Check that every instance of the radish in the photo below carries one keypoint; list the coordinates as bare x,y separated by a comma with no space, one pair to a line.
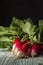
22,51
18,45
28,41
35,50
14,43
29,50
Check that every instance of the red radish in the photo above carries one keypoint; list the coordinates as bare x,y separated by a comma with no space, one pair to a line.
35,50
29,50
22,51
28,41
18,45
14,43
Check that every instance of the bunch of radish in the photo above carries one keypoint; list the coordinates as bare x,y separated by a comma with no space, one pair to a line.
22,49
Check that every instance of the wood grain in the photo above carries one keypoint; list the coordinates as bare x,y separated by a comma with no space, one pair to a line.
5,60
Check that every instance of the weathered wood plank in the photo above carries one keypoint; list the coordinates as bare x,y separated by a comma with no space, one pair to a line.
5,60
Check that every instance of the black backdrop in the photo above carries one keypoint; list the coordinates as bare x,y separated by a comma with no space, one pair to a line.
21,9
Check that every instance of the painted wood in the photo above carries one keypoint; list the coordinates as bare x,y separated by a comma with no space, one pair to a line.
5,60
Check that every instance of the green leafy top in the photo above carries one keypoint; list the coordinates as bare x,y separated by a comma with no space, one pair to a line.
19,28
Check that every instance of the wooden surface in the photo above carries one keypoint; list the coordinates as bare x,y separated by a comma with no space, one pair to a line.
5,60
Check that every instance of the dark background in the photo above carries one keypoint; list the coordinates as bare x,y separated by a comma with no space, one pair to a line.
21,9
